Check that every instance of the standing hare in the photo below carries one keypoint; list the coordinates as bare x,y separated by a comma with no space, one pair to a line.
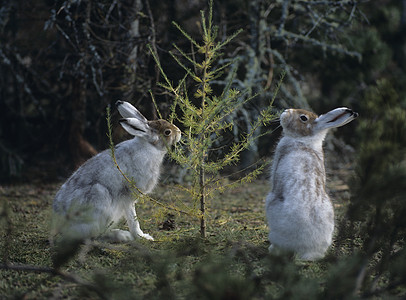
97,196
299,211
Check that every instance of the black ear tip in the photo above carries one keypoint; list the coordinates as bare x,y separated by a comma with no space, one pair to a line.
119,102
353,113
122,120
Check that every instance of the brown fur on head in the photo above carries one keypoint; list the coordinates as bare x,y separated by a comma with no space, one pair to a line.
298,122
170,132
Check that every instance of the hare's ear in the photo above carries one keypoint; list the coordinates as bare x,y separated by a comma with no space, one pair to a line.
335,118
135,127
129,111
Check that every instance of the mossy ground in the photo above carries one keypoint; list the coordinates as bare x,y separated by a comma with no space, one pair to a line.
232,262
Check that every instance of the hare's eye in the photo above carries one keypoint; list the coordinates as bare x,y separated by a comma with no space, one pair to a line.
167,132
303,118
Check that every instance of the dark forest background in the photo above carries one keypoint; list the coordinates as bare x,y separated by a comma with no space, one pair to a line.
63,62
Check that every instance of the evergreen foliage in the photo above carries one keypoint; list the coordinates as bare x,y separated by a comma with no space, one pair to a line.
378,204
205,118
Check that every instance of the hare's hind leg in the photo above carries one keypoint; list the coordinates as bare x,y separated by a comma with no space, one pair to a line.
311,256
118,236
134,225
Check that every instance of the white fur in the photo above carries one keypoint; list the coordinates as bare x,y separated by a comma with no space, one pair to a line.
96,197
299,212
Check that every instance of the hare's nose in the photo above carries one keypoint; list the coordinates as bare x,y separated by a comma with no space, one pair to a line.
286,112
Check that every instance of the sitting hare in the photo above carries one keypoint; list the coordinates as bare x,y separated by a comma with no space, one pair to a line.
299,211
97,196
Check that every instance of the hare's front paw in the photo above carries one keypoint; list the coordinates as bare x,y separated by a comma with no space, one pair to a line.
146,236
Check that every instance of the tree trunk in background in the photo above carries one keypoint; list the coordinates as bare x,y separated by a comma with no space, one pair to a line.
80,149
401,38
250,155
134,33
